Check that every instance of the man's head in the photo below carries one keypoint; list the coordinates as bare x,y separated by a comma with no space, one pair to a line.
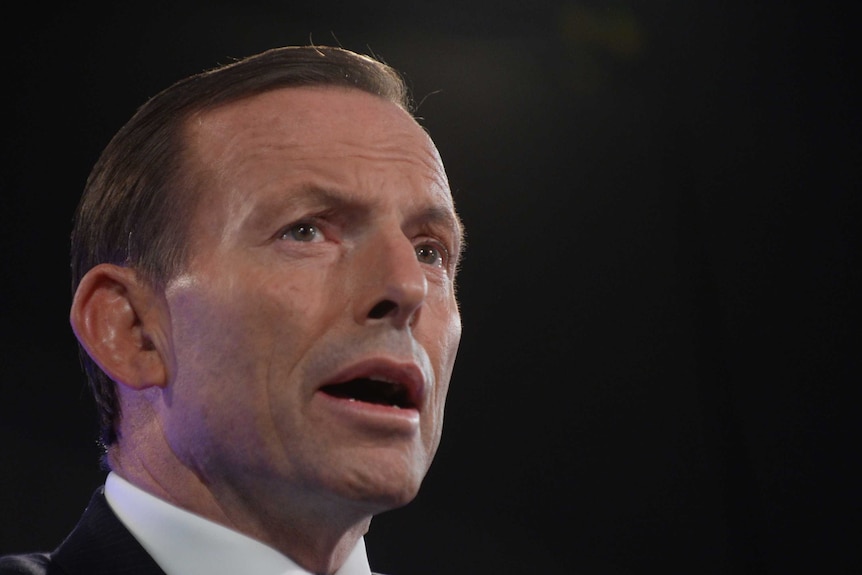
138,199
264,267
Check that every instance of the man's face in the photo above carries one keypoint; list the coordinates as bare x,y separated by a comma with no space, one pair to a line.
315,327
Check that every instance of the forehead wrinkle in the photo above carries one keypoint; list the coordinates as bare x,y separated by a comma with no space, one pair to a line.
375,145
304,155
371,163
432,168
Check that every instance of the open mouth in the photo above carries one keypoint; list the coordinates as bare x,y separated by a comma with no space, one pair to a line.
372,391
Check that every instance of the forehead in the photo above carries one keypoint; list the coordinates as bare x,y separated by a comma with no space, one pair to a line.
262,148
303,123
308,116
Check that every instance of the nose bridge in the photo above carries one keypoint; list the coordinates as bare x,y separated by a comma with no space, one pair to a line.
395,282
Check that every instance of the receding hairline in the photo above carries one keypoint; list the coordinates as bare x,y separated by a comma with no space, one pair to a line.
264,72
194,157
196,113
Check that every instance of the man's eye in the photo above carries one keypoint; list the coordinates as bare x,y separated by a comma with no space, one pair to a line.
301,232
431,255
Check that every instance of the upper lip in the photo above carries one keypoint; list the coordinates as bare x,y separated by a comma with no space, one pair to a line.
406,375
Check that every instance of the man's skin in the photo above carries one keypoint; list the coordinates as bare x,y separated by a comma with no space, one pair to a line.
324,249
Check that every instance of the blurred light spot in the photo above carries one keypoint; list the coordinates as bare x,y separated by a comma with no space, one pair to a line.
613,30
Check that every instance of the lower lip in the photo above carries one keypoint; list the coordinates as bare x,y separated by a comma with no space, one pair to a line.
371,416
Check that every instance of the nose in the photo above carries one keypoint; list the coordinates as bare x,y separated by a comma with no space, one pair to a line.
394,284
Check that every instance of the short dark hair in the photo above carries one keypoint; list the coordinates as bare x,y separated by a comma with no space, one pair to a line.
137,199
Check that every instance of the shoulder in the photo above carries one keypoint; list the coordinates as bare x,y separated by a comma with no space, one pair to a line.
25,564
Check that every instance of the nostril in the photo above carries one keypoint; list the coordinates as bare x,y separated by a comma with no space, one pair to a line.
382,309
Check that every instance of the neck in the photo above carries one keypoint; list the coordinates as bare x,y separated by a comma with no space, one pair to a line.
315,532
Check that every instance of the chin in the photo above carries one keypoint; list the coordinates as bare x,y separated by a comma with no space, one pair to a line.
384,489
388,501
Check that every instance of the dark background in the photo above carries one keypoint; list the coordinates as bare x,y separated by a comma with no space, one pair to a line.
662,203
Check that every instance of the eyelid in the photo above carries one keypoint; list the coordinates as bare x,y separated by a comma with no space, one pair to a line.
441,247
318,221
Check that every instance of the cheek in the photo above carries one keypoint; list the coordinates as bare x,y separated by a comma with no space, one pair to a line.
211,332
219,335
448,344
450,341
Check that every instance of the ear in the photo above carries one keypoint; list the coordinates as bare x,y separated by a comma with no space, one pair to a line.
119,320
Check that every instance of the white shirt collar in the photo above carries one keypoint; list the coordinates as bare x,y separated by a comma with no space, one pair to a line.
183,543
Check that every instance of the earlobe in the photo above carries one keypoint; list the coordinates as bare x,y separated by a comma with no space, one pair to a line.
116,318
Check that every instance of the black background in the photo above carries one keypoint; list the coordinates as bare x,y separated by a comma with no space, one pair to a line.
662,204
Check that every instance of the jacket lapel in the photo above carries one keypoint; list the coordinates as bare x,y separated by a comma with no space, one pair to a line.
101,545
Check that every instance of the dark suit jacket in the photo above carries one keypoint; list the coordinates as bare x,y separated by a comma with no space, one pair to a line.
98,545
